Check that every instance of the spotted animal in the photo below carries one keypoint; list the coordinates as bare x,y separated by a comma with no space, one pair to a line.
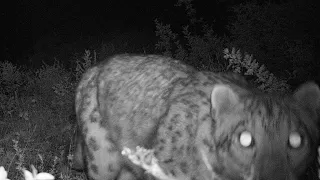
201,125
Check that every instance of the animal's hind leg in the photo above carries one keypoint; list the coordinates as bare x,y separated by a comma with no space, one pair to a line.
78,156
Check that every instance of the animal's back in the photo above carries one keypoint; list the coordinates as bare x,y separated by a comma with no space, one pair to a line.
122,102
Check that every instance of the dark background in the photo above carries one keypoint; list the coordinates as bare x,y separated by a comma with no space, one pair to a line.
36,31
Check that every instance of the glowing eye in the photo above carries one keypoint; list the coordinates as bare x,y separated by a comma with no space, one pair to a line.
295,140
245,139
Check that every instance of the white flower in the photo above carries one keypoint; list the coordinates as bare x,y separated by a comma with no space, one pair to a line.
35,176
3,174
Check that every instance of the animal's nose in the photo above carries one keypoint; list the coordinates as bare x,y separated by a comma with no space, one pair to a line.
274,168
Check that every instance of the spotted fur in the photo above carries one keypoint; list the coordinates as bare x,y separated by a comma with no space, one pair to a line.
201,125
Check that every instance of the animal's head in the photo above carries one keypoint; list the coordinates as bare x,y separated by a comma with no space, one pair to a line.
263,136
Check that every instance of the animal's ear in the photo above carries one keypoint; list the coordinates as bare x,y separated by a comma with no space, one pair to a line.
308,95
223,99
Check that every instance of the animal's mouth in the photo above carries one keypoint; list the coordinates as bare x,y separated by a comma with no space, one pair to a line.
249,176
